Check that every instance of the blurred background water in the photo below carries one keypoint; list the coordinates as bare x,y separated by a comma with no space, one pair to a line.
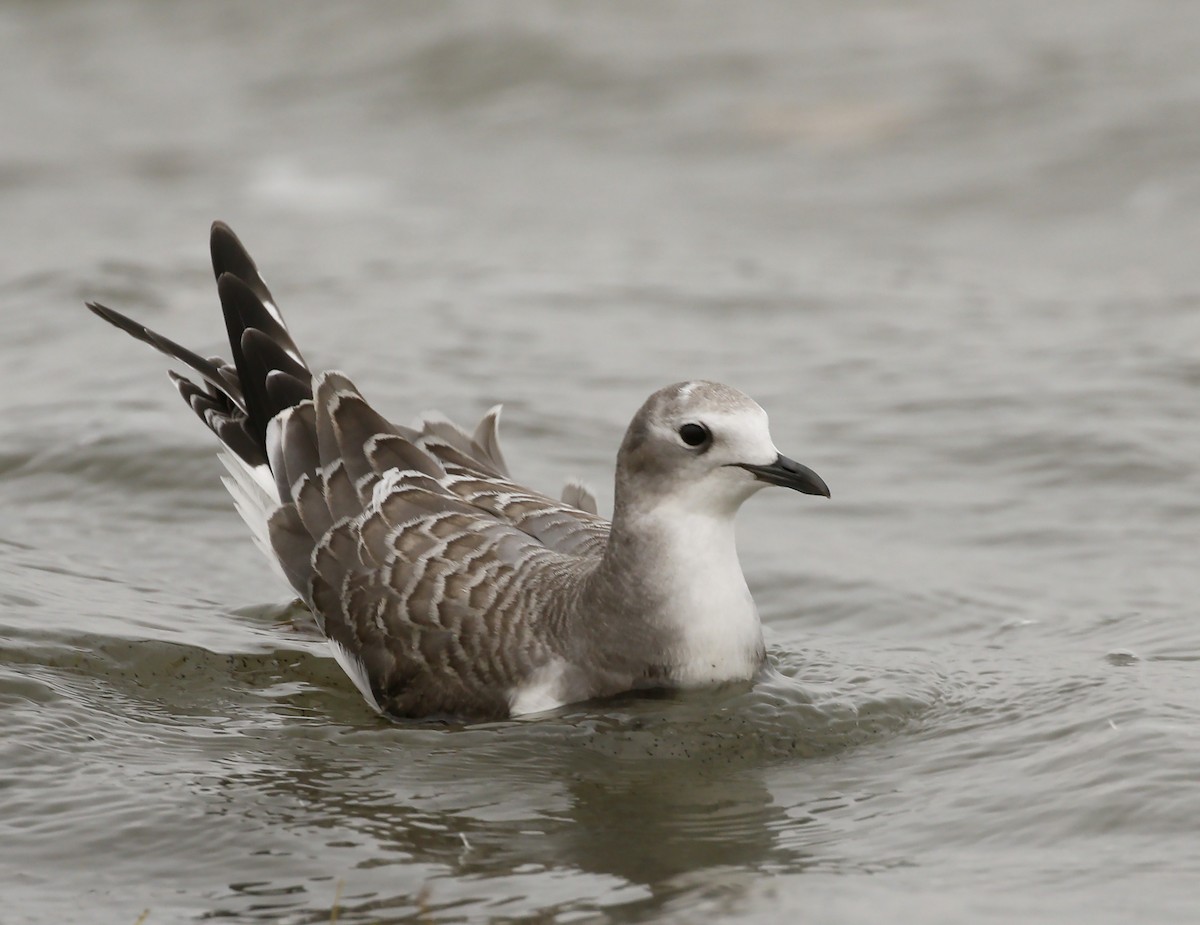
951,248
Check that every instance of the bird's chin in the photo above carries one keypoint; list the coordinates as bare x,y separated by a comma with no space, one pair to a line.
741,488
719,495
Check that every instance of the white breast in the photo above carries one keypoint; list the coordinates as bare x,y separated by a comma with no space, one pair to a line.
719,632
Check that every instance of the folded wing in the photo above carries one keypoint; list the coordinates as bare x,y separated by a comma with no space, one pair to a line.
407,543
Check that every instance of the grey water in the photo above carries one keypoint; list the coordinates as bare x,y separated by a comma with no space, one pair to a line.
950,247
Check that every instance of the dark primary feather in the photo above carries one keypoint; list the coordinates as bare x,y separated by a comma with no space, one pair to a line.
257,351
268,373
209,369
230,256
225,418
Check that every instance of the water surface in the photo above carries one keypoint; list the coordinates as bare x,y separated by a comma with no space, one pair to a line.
950,248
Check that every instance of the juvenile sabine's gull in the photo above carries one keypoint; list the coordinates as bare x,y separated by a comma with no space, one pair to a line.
445,588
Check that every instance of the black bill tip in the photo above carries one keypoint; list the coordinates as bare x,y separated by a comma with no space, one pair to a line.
789,474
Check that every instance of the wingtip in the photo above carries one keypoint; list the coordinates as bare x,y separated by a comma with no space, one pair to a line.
220,233
229,254
122,322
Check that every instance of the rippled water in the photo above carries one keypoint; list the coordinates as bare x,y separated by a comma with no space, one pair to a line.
950,247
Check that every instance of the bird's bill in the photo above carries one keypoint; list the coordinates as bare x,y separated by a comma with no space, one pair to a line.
789,474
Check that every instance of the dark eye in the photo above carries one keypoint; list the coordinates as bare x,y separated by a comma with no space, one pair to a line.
694,434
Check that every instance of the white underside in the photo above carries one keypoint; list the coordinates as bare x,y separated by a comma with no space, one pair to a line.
720,634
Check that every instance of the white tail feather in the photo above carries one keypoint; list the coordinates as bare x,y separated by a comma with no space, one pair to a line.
356,671
254,496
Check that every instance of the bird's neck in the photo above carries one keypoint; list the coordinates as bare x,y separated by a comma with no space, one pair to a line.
682,568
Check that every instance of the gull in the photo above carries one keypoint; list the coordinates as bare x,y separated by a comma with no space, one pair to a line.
447,590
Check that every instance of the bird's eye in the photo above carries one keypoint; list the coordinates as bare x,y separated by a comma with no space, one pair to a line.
694,434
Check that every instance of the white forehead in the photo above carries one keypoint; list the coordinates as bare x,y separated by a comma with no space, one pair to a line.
743,434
